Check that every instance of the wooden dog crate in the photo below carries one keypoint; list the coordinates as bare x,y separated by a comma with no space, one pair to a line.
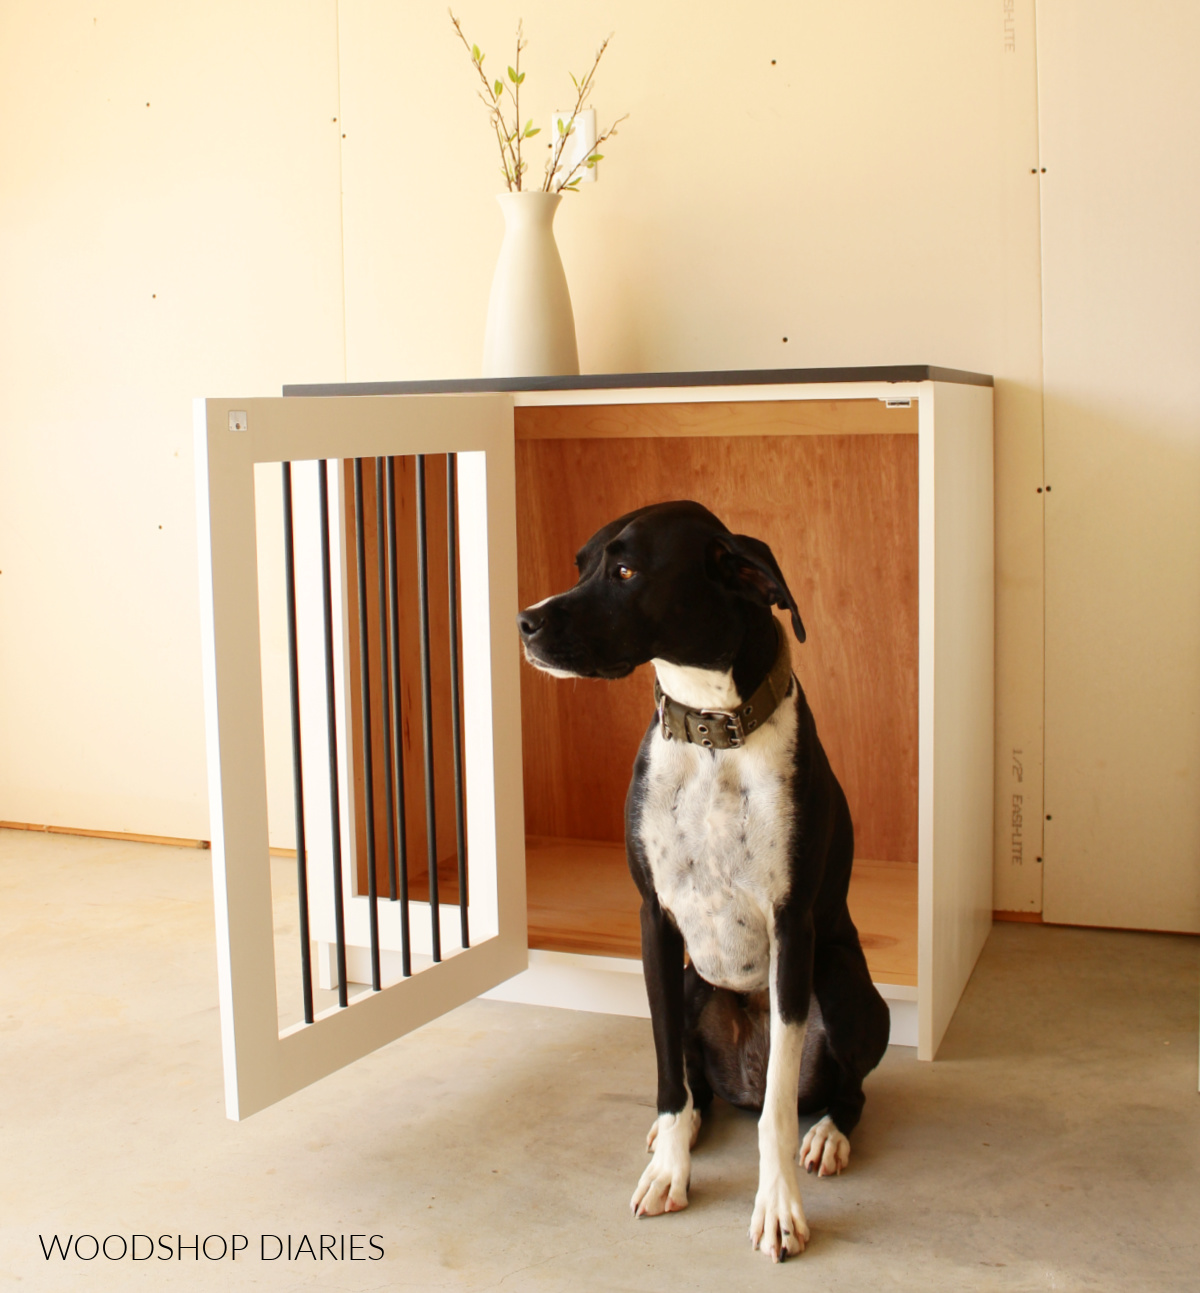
874,490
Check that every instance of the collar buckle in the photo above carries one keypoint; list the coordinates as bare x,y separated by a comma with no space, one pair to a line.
734,729
727,729
662,715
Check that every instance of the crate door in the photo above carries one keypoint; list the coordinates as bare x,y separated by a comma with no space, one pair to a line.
366,940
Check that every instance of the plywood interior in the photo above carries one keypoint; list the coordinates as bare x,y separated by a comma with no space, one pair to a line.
840,513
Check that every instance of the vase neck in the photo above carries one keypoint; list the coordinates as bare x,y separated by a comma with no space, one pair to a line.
529,210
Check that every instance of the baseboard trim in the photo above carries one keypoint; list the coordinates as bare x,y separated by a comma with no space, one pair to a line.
175,841
1024,917
130,836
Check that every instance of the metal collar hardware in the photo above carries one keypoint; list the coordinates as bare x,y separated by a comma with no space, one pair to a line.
734,729
727,729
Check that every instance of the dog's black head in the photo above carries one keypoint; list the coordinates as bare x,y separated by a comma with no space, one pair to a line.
666,582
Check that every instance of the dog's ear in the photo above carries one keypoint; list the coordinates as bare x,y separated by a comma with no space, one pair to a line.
748,567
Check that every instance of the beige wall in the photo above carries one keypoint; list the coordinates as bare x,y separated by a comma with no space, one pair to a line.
870,196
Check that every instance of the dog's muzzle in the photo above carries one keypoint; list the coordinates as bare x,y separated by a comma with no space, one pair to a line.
532,624
552,645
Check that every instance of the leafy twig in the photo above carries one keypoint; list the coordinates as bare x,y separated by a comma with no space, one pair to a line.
569,184
513,88
582,90
510,139
493,99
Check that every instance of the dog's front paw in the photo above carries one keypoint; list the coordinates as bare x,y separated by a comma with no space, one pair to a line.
778,1226
664,1184
825,1150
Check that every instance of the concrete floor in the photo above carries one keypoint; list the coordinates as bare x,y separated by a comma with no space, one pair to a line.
1055,1144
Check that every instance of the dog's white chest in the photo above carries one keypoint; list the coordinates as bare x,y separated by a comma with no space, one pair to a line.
716,829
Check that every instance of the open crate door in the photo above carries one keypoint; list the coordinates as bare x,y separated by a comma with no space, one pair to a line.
422,961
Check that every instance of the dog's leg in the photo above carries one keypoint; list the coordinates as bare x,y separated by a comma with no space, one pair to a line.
664,1184
696,996
778,1226
857,1023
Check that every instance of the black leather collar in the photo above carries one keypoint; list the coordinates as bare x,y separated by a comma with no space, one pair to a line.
727,729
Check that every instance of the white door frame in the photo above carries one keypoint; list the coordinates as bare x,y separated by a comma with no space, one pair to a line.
262,1065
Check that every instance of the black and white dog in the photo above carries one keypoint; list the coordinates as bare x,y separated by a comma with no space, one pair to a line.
739,839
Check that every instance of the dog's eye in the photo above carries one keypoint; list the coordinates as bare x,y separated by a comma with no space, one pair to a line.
624,572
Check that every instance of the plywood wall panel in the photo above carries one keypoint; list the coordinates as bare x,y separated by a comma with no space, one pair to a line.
172,228
1121,110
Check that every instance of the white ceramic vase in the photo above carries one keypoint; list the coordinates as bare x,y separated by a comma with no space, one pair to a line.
530,324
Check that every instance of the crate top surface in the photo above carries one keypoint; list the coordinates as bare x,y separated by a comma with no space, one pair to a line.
644,381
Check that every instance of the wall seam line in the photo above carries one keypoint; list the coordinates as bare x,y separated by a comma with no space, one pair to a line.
337,45
1037,90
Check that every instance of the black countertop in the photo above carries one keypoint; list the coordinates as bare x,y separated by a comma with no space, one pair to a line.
645,381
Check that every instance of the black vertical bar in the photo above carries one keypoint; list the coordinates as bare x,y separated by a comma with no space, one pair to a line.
455,716
364,671
397,720
385,706
289,558
427,708
335,811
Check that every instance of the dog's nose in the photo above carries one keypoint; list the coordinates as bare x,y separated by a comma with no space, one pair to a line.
530,621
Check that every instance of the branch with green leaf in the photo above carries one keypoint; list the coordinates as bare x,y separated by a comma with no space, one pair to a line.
505,94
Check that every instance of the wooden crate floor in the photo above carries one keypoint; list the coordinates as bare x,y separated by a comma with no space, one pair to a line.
582,899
